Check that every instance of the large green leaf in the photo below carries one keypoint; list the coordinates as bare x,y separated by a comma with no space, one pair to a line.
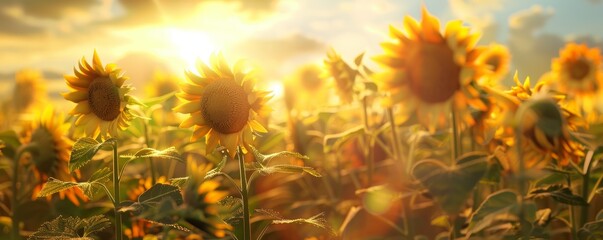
71,228
558,193
266,159
497,203
84,150
54,186
334,141
451,186
167,154
156,196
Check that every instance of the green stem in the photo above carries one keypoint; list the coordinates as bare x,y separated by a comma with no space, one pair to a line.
521,180
585,186
245,195
116,201
397,153
14,203
369,144
572,215
455,135
151,164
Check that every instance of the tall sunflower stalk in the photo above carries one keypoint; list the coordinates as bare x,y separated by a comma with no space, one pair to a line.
223,107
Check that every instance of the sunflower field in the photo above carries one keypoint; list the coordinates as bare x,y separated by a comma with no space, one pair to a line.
438,134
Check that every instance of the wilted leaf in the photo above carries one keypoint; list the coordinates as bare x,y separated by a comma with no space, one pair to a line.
287,169
266,159
71,228
559,193
591,231
451,186
358,59
84,150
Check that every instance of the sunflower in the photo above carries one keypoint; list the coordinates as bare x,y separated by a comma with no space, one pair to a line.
47,133
545,126
161,84
576,72
102,99
29,91
222,104
428,71
497,58
305,89
343,75
202,196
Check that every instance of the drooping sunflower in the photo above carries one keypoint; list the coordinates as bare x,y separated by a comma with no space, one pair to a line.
103,102
428,70
545,126
47,133
497,59
343,74
222,104
577,73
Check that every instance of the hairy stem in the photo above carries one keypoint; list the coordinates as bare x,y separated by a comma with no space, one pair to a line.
245,195
116,201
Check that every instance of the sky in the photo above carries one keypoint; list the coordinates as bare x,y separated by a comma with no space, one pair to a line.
276,36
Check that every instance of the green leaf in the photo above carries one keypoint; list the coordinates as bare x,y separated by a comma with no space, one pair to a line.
266,159
358,59
215,171
149,102
54,186
285,168
84,150
559,193
11,143
451,186
178,182
500,202
334,141
101,175
152,199
168,154
71,228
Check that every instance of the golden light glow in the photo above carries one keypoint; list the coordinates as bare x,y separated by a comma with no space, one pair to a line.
190,45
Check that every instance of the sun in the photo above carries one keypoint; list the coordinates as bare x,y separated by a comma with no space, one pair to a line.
191,45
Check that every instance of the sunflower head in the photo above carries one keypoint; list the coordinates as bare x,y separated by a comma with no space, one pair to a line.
222,104
47,134
29,91
545,126
428,70
343,75
103,101
496,58
305,89
577,69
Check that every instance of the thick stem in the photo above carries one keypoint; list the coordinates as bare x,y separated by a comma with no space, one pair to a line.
455,135
116,201
521,180
245,195
585,186
572,214
14,203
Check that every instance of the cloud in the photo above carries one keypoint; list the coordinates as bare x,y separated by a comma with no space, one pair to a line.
532,51
11,25
480,14
273,55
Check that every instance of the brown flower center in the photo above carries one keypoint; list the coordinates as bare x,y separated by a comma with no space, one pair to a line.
224,106
103,97
578,69
46,157
434,76
494,62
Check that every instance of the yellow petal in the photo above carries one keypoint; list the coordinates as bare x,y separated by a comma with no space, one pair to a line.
189,107
81,108
199,132
230,142
76,96
255,125
211,141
